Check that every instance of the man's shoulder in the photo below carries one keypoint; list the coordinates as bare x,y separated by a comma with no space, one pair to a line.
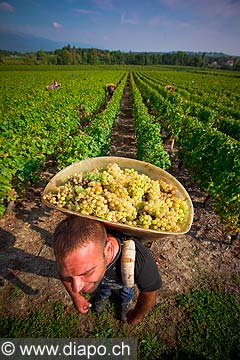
141,248
123,237
118,235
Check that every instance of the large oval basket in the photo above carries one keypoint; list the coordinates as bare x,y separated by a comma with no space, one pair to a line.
150,170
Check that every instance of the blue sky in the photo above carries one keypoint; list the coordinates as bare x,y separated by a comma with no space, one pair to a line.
130,25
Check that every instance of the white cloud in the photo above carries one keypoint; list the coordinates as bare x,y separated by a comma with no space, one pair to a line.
209,9
6,7
104,4
85,11
125,20
57,25
155,21
170,3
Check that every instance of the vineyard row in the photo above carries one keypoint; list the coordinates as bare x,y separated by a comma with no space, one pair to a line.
40,124
213,156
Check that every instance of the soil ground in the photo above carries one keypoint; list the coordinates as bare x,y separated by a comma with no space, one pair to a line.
204,257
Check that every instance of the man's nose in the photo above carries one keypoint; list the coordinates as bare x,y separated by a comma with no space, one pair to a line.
77,284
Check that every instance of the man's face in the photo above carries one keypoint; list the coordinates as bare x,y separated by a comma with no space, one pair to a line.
83,268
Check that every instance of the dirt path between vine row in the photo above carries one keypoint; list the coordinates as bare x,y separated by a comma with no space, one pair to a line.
205,257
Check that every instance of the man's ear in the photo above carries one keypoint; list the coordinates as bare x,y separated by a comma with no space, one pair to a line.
108,247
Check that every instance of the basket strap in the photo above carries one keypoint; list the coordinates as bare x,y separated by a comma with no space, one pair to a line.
128,262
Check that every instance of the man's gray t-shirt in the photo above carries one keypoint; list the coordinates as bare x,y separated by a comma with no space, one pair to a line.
146,273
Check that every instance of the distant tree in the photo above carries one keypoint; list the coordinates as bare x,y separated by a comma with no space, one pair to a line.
41,57
67,57
93,57
117,57
236,65
52,59
204,59
73,56
30,59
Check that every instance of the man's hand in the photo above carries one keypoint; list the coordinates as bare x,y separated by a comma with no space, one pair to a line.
144,303
81,304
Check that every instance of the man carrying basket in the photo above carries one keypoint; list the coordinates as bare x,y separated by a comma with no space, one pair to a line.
89,260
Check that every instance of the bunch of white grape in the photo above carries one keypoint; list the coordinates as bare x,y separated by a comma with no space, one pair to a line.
124,196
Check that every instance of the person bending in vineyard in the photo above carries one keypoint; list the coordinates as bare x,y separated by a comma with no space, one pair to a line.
53,86
88,259
110,88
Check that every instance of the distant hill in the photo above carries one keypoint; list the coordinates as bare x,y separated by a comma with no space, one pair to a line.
20,42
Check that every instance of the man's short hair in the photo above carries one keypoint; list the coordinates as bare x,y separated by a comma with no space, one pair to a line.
75,232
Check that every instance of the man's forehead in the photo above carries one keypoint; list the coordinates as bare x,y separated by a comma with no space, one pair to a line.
78,263
80,257
87,250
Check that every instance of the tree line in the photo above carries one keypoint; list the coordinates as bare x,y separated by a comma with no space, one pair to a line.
81,56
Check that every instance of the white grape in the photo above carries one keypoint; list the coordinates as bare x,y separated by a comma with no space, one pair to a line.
124,196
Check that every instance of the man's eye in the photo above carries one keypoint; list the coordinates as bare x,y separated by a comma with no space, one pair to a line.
90,272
